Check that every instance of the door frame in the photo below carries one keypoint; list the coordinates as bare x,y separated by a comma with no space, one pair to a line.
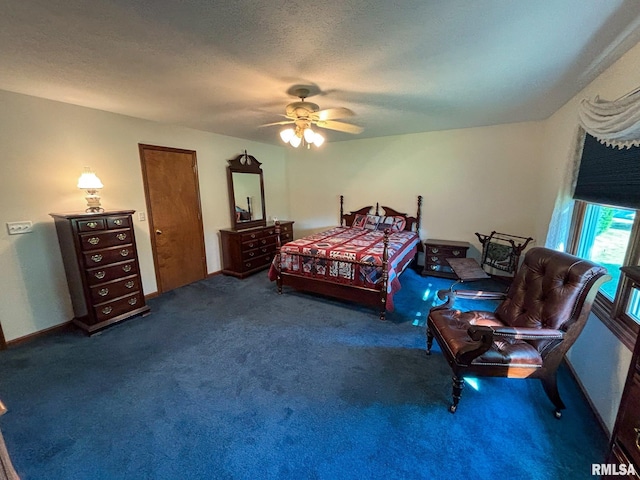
141,148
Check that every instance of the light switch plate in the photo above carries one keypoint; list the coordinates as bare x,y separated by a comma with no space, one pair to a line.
16,228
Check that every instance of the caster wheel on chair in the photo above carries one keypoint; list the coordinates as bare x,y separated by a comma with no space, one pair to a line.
453,408
557,414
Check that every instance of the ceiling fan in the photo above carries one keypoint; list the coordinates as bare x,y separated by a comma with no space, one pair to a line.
303,115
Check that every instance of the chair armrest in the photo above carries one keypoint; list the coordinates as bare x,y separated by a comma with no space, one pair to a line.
451,296
528,333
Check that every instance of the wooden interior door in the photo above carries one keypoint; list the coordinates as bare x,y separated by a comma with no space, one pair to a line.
175,220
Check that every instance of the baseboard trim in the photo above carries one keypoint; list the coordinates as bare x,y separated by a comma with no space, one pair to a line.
583,390
40,333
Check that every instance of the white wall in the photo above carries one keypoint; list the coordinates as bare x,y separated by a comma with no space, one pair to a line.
471,180
45,146
599,359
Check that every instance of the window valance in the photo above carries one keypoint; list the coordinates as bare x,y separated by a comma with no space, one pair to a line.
614,123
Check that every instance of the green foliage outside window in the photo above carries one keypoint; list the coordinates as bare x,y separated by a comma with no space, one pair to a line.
605,220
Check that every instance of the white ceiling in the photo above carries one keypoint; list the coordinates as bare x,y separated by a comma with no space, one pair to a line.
400,66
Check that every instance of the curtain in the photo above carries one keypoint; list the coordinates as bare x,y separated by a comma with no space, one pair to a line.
614,123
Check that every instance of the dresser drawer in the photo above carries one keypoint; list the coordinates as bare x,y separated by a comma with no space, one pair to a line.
256,262
91,225
248,255
259,242
107,291
118,222
108,256
105,239
109,310
253,236
111,272
629,430
445,251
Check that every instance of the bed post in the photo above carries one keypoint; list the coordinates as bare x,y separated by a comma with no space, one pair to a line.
341,210
277,258
419,214
385,274
377,208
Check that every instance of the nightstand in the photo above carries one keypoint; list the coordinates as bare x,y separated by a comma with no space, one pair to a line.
436,253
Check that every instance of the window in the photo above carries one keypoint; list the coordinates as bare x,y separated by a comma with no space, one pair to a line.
609,236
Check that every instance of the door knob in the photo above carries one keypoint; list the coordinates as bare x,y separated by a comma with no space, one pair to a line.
158,232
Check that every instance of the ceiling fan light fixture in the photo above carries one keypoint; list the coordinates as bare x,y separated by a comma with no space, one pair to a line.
309,135
295,141
287,134
318,140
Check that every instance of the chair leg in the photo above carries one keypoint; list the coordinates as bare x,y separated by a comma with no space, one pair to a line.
429,341
458,384
550,385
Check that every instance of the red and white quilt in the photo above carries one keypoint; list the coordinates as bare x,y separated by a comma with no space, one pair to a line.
332,256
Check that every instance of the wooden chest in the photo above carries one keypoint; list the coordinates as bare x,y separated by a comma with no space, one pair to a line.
436,253
245,252
101,263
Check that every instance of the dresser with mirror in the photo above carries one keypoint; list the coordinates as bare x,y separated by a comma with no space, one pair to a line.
249,245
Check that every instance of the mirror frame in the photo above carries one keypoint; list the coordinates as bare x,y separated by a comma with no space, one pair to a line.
245,163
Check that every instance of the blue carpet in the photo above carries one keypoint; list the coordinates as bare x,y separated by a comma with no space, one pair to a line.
228,380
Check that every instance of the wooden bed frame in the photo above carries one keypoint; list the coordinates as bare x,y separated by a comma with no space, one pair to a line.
375,297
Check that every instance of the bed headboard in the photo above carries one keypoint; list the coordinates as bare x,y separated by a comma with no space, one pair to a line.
413,223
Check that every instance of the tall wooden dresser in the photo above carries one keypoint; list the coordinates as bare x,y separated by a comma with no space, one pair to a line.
101,264
625,440
245,252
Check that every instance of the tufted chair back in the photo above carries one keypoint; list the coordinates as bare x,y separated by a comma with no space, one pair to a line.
548,291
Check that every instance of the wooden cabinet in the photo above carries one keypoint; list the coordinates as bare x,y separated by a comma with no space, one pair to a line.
245,252
436,253
625,440
101,264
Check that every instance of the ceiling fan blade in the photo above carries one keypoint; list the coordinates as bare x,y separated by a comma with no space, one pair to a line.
340,126
333,113
284,122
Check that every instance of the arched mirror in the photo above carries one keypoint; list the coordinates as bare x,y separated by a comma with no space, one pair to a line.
246,192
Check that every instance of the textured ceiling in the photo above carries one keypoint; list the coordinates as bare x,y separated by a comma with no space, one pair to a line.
400,66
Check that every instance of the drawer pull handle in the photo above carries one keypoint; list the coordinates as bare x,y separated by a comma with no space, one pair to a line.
92,224
270,232
433,267
247,264
100,275
253,235
96,258
118,221
126,268
132,301
434,250
251,245
107,310
124,252
264,241
456,252
251,254
434,259
103,292
94,240
637,430
264,250
129,284
121,236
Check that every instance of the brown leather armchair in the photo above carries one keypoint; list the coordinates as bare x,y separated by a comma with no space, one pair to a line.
527,336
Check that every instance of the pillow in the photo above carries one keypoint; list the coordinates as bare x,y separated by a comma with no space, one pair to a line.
393,223
359,221
372,222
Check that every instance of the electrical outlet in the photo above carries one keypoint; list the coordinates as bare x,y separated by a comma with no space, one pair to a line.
16,228
141,216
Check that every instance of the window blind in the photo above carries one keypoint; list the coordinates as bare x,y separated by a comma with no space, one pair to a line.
609,175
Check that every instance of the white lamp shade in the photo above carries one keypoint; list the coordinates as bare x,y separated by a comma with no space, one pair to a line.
309,135
89,181
295,141
318,140
287,134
